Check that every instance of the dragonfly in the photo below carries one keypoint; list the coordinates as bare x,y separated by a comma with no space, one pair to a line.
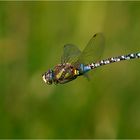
75,63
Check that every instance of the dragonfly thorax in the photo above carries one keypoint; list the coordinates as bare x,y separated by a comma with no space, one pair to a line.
64,73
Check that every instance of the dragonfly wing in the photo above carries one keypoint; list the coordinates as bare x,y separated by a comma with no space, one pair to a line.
71,54
93,50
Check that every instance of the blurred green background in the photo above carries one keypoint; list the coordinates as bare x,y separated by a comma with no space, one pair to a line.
32,35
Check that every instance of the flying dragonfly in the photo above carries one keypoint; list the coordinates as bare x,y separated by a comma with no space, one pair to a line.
75,63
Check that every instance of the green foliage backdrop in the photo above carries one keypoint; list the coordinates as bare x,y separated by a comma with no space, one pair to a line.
32,35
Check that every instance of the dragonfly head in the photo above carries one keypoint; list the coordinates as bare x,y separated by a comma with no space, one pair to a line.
48,77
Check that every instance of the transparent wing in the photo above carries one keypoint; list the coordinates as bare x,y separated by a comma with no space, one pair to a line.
93,50
70,54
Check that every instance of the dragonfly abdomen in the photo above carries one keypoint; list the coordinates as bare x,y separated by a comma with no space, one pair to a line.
114,59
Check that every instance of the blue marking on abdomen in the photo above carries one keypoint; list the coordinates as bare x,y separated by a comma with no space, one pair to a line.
84,69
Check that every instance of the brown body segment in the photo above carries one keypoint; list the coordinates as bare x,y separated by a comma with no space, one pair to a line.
64,73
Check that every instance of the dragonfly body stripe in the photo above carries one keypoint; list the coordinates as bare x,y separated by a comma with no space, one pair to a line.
114,59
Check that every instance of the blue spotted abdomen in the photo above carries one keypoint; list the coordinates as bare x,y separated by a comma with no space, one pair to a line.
112,60
84,68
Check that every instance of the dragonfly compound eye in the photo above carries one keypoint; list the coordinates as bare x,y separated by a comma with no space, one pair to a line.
48,77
